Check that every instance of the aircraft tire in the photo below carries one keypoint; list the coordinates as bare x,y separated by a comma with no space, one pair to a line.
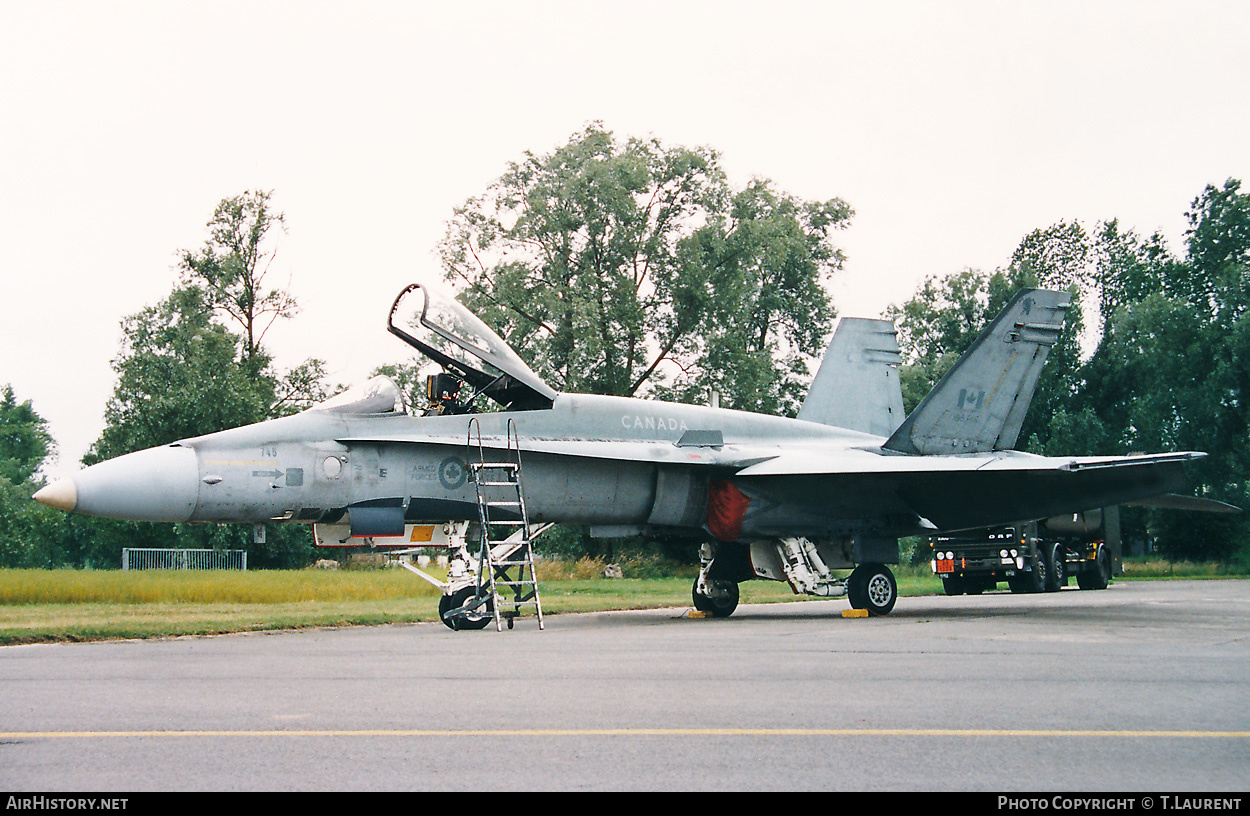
872,587
477,619
719,607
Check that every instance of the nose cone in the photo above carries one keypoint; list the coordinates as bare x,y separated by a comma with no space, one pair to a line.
61,495
157,484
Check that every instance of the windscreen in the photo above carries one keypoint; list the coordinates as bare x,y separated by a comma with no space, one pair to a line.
379,395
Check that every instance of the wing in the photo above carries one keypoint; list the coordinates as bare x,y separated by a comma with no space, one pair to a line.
865,461
958,492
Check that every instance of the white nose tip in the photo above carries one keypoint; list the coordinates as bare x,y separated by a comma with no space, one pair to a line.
61,494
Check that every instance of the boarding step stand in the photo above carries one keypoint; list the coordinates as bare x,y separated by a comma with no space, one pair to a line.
506,559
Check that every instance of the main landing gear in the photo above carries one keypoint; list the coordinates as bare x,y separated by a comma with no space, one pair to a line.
870,587
716,598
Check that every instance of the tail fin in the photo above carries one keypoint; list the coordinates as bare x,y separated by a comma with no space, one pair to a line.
980,404
857,385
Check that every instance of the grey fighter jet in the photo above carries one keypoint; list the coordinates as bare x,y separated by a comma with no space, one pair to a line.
791,500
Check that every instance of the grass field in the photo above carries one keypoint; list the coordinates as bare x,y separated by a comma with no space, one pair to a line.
73,605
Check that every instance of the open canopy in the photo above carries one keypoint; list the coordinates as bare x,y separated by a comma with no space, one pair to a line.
449,334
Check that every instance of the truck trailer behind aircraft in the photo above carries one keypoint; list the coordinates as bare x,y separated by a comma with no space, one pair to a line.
1034,556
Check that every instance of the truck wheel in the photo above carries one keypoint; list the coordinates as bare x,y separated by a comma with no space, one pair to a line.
872,587
953,586
1037,577
1056,569
1032,581
1098,574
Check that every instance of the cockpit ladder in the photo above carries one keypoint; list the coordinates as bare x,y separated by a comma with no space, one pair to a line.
506,559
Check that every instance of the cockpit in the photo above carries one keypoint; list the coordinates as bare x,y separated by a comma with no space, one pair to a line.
475,360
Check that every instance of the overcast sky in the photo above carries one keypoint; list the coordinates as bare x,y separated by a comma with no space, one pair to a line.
952,129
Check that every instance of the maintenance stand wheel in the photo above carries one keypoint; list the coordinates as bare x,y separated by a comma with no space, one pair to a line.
477,619
722,602
872,587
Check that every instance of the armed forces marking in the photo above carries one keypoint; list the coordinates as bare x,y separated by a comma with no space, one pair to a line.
451,473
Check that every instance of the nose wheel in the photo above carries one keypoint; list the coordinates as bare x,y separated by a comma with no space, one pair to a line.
470,619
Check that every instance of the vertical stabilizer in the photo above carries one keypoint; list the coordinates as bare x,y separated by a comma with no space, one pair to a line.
981,402
857,385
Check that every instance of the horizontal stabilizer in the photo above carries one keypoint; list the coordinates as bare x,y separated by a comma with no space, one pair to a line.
981,402
857,385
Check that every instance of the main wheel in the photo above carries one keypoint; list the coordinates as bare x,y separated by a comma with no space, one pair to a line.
722,601
872,587
477,619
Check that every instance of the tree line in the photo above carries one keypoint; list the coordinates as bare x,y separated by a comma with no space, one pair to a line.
632,267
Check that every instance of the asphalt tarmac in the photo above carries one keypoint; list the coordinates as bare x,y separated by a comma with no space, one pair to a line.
1142,687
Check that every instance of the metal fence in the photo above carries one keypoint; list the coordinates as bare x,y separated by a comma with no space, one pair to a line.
142,559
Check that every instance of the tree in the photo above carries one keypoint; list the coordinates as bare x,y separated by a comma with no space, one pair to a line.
1127,269
766,313
232,267
28,531
25,443
1218,249
621,268
178,377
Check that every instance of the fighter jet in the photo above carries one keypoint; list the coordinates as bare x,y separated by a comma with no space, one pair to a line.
794,500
